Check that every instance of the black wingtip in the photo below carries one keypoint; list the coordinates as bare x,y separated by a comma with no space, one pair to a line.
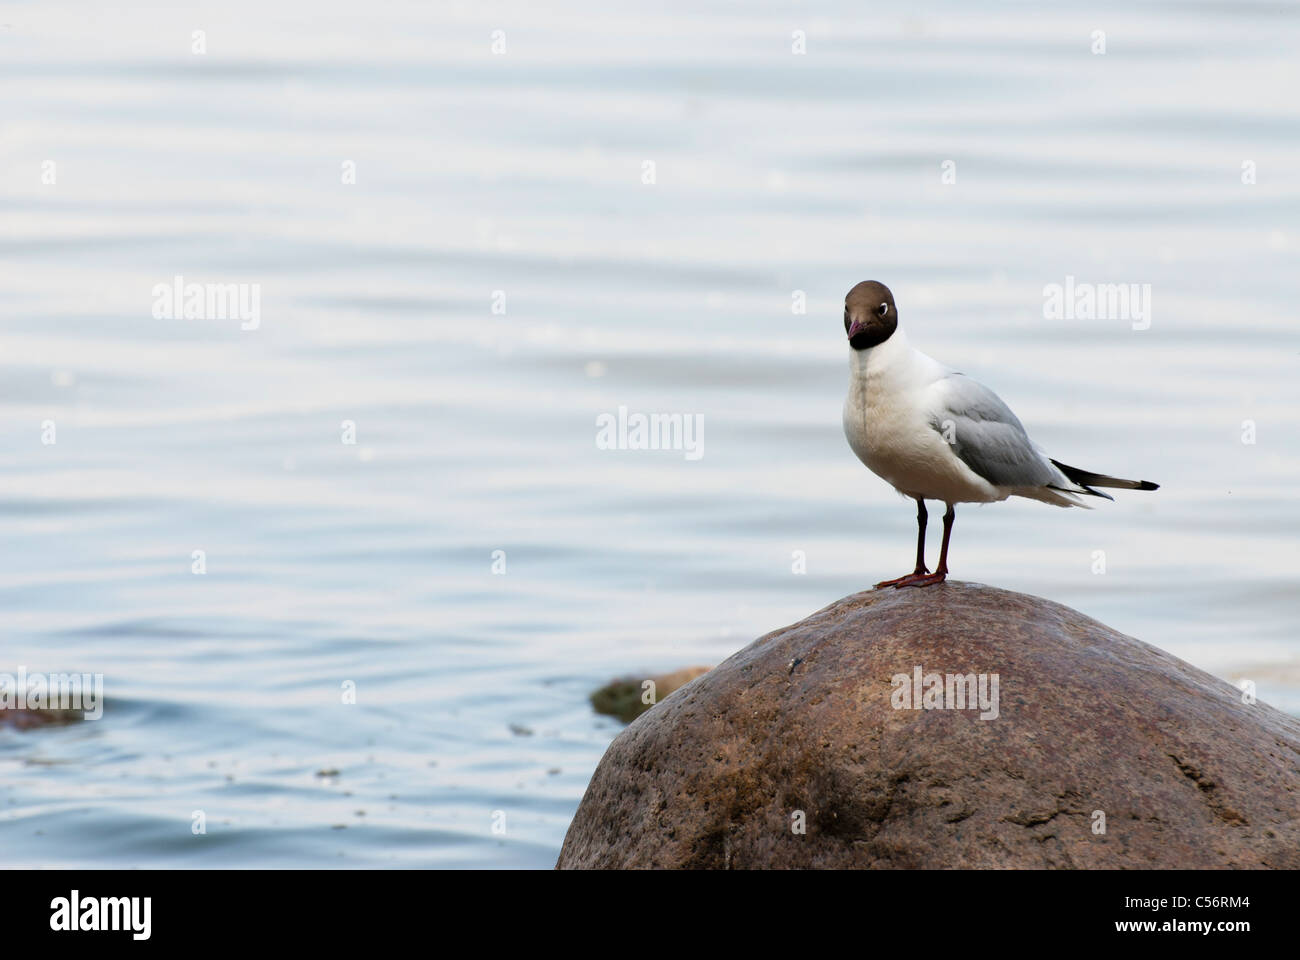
1088,479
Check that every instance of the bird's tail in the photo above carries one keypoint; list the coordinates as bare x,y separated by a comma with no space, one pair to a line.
1089,480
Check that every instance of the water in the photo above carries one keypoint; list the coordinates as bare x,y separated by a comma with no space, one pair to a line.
371,563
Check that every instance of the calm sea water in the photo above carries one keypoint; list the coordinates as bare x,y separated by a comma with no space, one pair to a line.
516,180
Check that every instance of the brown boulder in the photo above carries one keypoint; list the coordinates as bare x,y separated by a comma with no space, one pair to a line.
813,726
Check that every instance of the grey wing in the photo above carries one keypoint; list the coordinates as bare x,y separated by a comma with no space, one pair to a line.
987,436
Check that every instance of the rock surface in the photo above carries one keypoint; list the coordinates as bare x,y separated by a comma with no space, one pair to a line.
801,728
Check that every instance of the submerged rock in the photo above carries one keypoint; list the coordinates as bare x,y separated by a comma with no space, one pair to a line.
25,719
629,697
954,726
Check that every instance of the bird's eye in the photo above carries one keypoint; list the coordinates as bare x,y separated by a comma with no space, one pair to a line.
883,309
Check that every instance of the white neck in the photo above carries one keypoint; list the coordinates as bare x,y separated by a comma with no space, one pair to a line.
865,363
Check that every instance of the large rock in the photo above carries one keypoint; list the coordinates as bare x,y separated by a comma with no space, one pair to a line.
804,724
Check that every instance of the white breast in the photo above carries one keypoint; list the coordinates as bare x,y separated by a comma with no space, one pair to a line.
887,424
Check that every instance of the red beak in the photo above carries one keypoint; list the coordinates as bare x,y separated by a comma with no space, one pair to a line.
855,328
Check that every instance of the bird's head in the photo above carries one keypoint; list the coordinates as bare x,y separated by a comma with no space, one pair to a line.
870,317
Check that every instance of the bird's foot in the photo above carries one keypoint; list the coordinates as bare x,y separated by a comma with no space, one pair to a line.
902,581
921,580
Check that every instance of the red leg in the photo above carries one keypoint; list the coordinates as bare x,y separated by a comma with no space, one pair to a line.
941,572
920,570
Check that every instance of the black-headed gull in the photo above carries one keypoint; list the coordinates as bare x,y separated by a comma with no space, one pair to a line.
935,434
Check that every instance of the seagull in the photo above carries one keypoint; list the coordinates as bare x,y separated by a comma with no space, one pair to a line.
936,434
